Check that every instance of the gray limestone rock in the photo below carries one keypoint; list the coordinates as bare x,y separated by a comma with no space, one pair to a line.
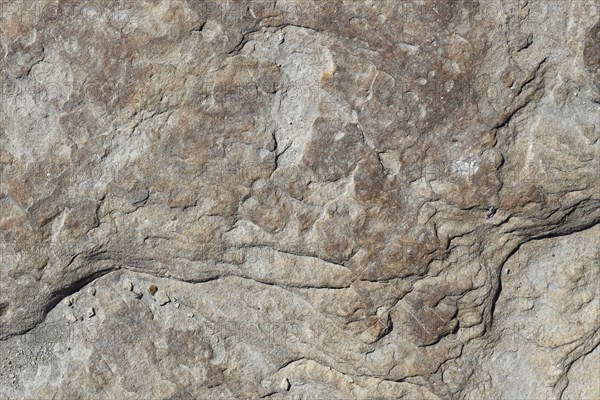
342,198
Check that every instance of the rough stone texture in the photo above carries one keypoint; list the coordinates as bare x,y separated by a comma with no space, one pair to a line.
342,199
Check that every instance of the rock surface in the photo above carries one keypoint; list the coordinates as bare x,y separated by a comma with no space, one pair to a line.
342,199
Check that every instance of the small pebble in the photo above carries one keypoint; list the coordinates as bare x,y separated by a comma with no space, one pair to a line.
176,305
191,315
152,290
92,291
127,285
137,295
91,312
70,317
68,301
285,384
162,297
